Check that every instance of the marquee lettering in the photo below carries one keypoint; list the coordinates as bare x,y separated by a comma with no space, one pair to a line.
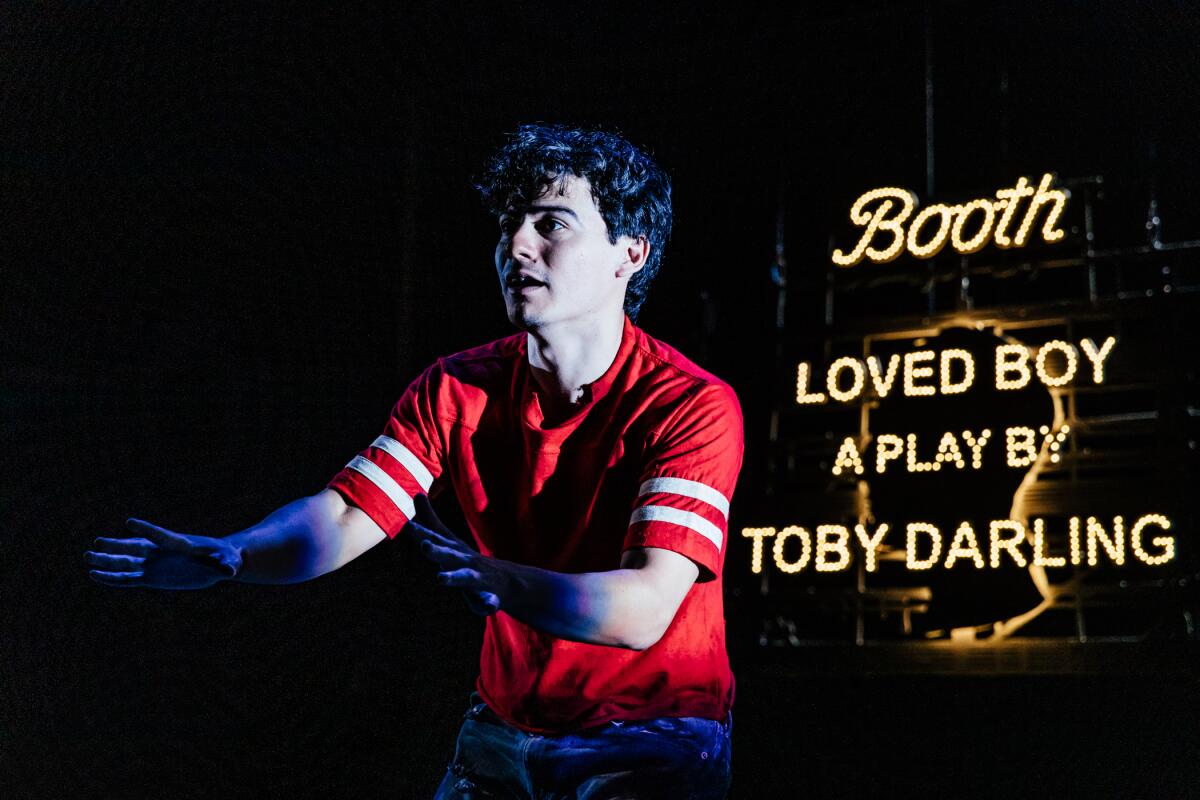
1006,542
925,373
967,228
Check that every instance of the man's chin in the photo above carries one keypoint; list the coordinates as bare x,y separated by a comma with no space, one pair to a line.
523,318
527,314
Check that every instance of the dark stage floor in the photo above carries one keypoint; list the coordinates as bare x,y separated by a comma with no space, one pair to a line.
998,736
796,734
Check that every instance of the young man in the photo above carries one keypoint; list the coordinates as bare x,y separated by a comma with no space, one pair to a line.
594,466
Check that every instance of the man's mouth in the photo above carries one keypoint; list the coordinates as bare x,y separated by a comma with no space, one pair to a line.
518,282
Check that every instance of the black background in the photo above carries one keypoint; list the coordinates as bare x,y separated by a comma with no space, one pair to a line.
229,235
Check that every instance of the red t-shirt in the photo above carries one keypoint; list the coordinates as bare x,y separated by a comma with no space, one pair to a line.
650,459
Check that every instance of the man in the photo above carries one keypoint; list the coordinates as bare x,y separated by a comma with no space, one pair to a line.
594,466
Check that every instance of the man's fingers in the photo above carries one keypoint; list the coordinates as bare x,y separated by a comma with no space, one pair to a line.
160,536
482,603
114,563
474,603
435,537
490,603
444,556
464,578
116,578
124,547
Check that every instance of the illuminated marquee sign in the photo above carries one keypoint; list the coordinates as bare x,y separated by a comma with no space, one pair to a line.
924,545
955,371
999,542
968,227
1015,365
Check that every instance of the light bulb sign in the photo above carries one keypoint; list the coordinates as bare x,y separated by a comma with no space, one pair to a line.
1006,542
926,373
950,456
890,228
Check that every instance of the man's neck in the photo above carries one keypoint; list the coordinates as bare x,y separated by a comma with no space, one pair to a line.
566,357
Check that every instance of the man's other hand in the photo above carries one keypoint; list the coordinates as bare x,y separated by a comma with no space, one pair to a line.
440,545
162,559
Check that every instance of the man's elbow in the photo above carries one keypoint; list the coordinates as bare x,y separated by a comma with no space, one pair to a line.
663,585
648,632
642,642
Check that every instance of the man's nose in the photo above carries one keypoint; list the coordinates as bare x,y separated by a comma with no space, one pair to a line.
523,243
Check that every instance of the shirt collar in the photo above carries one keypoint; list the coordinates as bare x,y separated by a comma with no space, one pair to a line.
594,391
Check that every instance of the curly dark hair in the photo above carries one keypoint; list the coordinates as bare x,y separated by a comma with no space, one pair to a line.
632,193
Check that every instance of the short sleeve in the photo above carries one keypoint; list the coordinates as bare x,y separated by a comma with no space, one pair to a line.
401,463
688,478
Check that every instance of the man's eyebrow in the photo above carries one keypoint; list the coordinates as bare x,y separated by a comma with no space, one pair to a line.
536,209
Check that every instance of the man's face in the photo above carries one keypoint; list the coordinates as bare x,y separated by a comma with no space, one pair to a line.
555,261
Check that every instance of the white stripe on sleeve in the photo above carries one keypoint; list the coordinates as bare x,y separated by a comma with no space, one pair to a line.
406,458
693,489
679,517
372,472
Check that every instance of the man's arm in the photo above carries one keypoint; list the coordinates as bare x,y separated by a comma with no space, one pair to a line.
304,539
301,540
630,607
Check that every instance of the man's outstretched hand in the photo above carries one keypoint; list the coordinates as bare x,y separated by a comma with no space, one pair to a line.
162,559
459,564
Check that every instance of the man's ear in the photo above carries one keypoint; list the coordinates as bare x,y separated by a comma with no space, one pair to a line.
637,250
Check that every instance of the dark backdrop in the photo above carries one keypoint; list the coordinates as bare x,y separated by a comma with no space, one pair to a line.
229,235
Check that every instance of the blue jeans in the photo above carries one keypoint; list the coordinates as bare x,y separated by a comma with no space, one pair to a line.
670,757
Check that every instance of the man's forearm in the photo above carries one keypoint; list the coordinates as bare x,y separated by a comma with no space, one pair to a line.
617,608
294,543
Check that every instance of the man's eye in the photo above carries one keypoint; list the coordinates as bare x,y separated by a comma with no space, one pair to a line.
507,226
549,224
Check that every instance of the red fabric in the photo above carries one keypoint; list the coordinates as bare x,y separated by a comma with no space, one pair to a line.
561,498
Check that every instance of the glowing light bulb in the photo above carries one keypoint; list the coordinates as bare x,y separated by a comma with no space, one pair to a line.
870,544
1040,559
888,447
967,360
977,446
1006,543
1073,536
848,458
832,539
877,221
835,371
805,549
1114,546
1054,441
948,451
1043,195
882,381
803,396
1072,362
935,539
756,551
964,545
1165,543
914,369
938,240
976,242
919,466
1009,200
1098,355
1012,358
1019,446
